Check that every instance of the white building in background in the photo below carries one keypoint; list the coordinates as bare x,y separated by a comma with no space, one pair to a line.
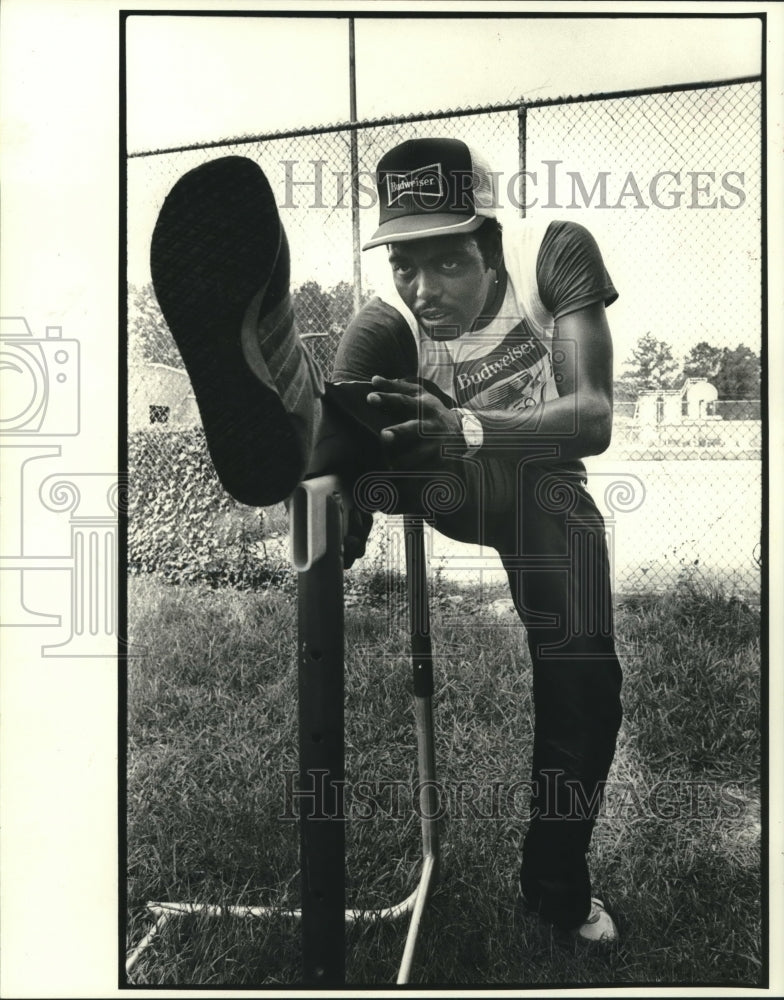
698,399
695,400
161,397
691,417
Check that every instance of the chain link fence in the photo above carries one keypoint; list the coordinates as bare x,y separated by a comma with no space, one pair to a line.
669,182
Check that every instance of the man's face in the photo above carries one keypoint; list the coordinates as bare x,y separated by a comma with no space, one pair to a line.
443,280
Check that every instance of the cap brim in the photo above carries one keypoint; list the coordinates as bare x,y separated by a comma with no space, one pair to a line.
420,227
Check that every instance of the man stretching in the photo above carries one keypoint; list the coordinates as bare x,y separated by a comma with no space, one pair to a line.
486,367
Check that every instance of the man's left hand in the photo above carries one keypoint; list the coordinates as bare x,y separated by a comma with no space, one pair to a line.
424,422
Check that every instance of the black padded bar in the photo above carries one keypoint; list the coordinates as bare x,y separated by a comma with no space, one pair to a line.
321,755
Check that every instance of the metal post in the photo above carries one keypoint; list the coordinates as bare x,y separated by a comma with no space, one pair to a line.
352,82
522,139
418,610
317,527
422,665
322,823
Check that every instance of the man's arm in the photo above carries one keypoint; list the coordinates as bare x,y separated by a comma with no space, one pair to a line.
578,422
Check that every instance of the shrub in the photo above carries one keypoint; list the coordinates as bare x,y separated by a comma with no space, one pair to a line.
182,524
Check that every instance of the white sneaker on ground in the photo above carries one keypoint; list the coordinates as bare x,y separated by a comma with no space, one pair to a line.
599,928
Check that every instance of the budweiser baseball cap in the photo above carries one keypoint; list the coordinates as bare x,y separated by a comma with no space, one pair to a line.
431,187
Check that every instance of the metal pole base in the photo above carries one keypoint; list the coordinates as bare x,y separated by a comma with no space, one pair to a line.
316,548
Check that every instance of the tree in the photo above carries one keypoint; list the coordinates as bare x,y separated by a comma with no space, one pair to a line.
651,365
702,361
312,307
623,392
738,375
342,305
149,339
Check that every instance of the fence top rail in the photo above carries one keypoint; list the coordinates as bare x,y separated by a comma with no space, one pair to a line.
666,88
520,105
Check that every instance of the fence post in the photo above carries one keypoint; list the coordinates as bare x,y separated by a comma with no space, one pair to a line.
522,139
354,170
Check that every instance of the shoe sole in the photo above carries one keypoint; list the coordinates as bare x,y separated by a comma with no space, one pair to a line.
213,249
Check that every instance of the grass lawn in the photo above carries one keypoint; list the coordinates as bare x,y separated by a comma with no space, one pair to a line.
212,736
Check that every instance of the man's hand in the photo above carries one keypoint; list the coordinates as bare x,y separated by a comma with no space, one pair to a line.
424,422
359,524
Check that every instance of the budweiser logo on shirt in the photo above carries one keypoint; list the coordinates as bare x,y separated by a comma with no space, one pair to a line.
511,376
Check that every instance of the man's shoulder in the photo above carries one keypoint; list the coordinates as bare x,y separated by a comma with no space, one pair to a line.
377,341
522,241
516,231
379,318
532,233
378,310
555,266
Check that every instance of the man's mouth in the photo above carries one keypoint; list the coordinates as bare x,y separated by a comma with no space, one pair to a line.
434,316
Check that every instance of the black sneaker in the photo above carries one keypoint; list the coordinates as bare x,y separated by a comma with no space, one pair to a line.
220,268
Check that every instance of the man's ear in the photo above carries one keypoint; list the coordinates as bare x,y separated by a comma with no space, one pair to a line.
497,254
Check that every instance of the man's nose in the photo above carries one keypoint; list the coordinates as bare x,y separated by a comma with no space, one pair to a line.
428,288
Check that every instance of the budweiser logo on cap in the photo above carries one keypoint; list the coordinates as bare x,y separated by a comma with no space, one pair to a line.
431,187
425,183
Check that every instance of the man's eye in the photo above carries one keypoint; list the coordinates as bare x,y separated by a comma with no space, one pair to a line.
402,269
450,265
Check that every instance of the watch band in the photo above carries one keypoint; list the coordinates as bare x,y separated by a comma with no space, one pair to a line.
473,432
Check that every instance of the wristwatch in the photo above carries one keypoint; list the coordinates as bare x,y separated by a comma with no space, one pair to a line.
472,430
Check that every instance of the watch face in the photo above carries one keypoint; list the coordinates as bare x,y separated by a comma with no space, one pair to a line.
472,430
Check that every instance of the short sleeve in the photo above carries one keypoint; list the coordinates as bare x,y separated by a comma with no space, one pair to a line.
570,271
377,341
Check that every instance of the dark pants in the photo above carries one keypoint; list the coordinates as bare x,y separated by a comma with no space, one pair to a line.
549,534
560,584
